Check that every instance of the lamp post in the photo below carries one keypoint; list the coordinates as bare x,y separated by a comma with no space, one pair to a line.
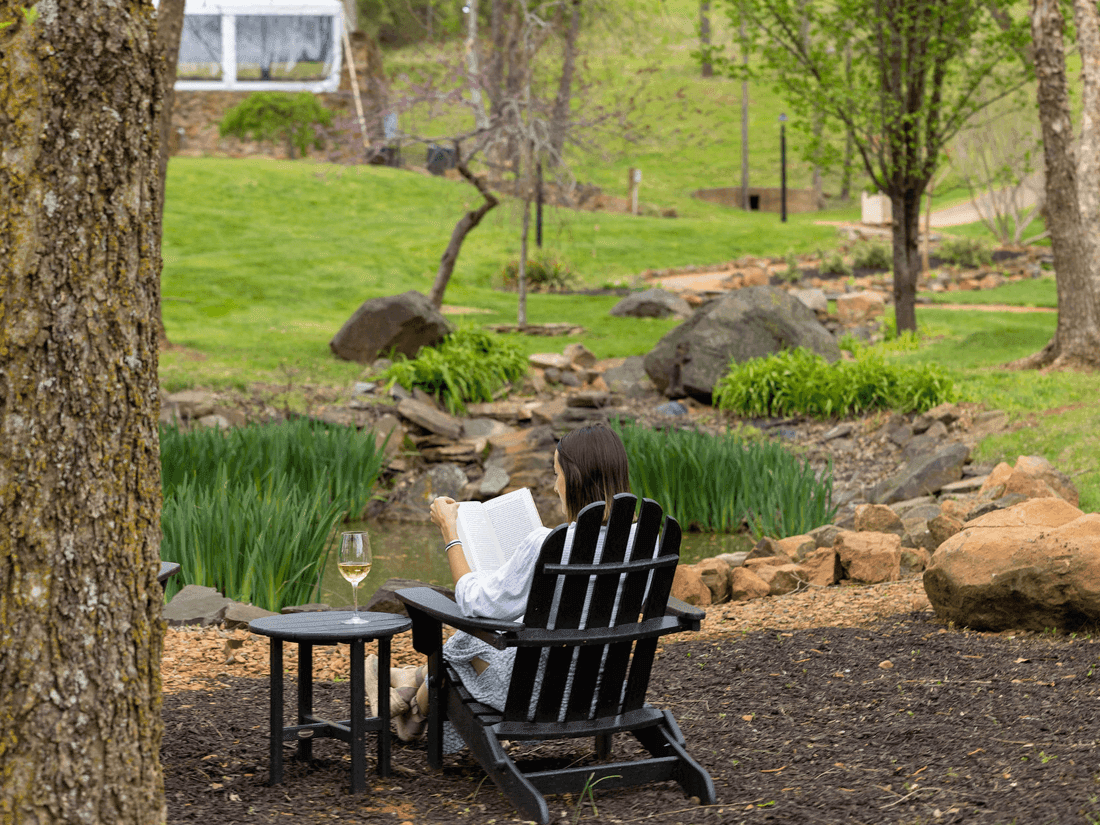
783,167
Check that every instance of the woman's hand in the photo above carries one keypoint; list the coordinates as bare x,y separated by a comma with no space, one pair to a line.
444,513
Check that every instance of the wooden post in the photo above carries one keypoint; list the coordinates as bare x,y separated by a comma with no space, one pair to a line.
355,87
634,178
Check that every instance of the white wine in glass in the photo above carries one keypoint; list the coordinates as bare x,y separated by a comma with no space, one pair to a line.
354,565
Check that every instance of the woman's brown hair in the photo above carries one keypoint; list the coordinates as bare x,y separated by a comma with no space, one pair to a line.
594,465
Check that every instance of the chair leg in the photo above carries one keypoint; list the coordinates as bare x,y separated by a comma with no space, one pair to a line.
508,778
662,739
603,745
435,709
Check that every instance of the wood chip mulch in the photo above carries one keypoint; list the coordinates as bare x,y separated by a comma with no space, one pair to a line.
833,705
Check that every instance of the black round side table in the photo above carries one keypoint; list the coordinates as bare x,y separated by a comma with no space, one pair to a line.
328,628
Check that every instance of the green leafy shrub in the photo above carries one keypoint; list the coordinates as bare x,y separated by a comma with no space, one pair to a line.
468,366
872,255
250,511
278,115
802,382
545,272
792,273
833,263
725,483
965,252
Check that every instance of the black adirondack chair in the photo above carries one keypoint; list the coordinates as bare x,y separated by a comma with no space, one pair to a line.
613,646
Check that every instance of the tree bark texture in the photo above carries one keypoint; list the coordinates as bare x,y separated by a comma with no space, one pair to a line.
706,69
1072,182
81,632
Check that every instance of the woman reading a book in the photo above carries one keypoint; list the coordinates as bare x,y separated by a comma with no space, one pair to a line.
590,465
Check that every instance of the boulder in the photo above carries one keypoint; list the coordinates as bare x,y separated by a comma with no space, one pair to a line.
746,585
401,323
1020,569
716,576
629,377
878,518
1032,477
195,604
924,475
749,323
914,560
943,527
871,558
767,548
813,298
384,599
859,307
822,567
781,579
653,303
688,586
430,418
796,548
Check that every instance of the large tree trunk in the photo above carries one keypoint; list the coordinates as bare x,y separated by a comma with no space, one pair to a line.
81,631
905,207
169,29
466,224
1072,185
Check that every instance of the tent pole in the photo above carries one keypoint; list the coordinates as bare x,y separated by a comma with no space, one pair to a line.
355,87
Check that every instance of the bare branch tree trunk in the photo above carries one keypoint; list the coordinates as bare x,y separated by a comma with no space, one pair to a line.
480,117
707,68
560,118
906,236
465,225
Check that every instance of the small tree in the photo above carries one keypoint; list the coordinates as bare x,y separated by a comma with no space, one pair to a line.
920,69
270,115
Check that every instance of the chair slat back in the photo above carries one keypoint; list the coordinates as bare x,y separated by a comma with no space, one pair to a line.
571,680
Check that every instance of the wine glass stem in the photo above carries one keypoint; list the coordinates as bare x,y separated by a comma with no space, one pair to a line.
355,598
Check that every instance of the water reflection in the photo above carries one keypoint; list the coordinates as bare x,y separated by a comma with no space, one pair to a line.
414,551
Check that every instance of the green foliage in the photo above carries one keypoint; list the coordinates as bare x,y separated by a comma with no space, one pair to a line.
965,252
792,273
802,382
832,263
271,115
263,543
726,482
468,366
872,255
249,511
545,271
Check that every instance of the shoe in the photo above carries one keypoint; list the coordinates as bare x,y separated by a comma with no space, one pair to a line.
410,725
398,705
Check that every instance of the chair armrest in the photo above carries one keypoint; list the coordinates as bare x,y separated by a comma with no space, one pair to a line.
689,615
424,603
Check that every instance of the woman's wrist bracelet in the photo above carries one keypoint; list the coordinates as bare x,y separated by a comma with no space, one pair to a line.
451,544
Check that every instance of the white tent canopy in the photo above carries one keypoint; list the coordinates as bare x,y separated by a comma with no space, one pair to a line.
260,45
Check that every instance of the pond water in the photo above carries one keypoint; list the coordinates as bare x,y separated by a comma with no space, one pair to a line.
414,551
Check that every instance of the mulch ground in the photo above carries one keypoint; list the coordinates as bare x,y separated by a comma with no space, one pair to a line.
848,705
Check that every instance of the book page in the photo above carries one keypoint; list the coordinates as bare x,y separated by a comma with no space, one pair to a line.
513,517
479,542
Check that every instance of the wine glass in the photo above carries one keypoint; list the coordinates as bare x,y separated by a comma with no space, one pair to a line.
355,564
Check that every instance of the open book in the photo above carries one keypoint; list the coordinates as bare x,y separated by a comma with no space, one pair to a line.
492,530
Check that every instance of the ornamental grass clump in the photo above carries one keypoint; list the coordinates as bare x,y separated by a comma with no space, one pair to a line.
727,483
801,382
251,511
467,367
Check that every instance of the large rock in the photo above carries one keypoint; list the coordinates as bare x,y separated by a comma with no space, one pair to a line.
716,576
746,324
653,303
1033,566
746,585
1032,477
871,558
922,476
402,323
688,586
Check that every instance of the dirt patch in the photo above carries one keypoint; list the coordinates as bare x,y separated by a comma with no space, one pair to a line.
868,720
